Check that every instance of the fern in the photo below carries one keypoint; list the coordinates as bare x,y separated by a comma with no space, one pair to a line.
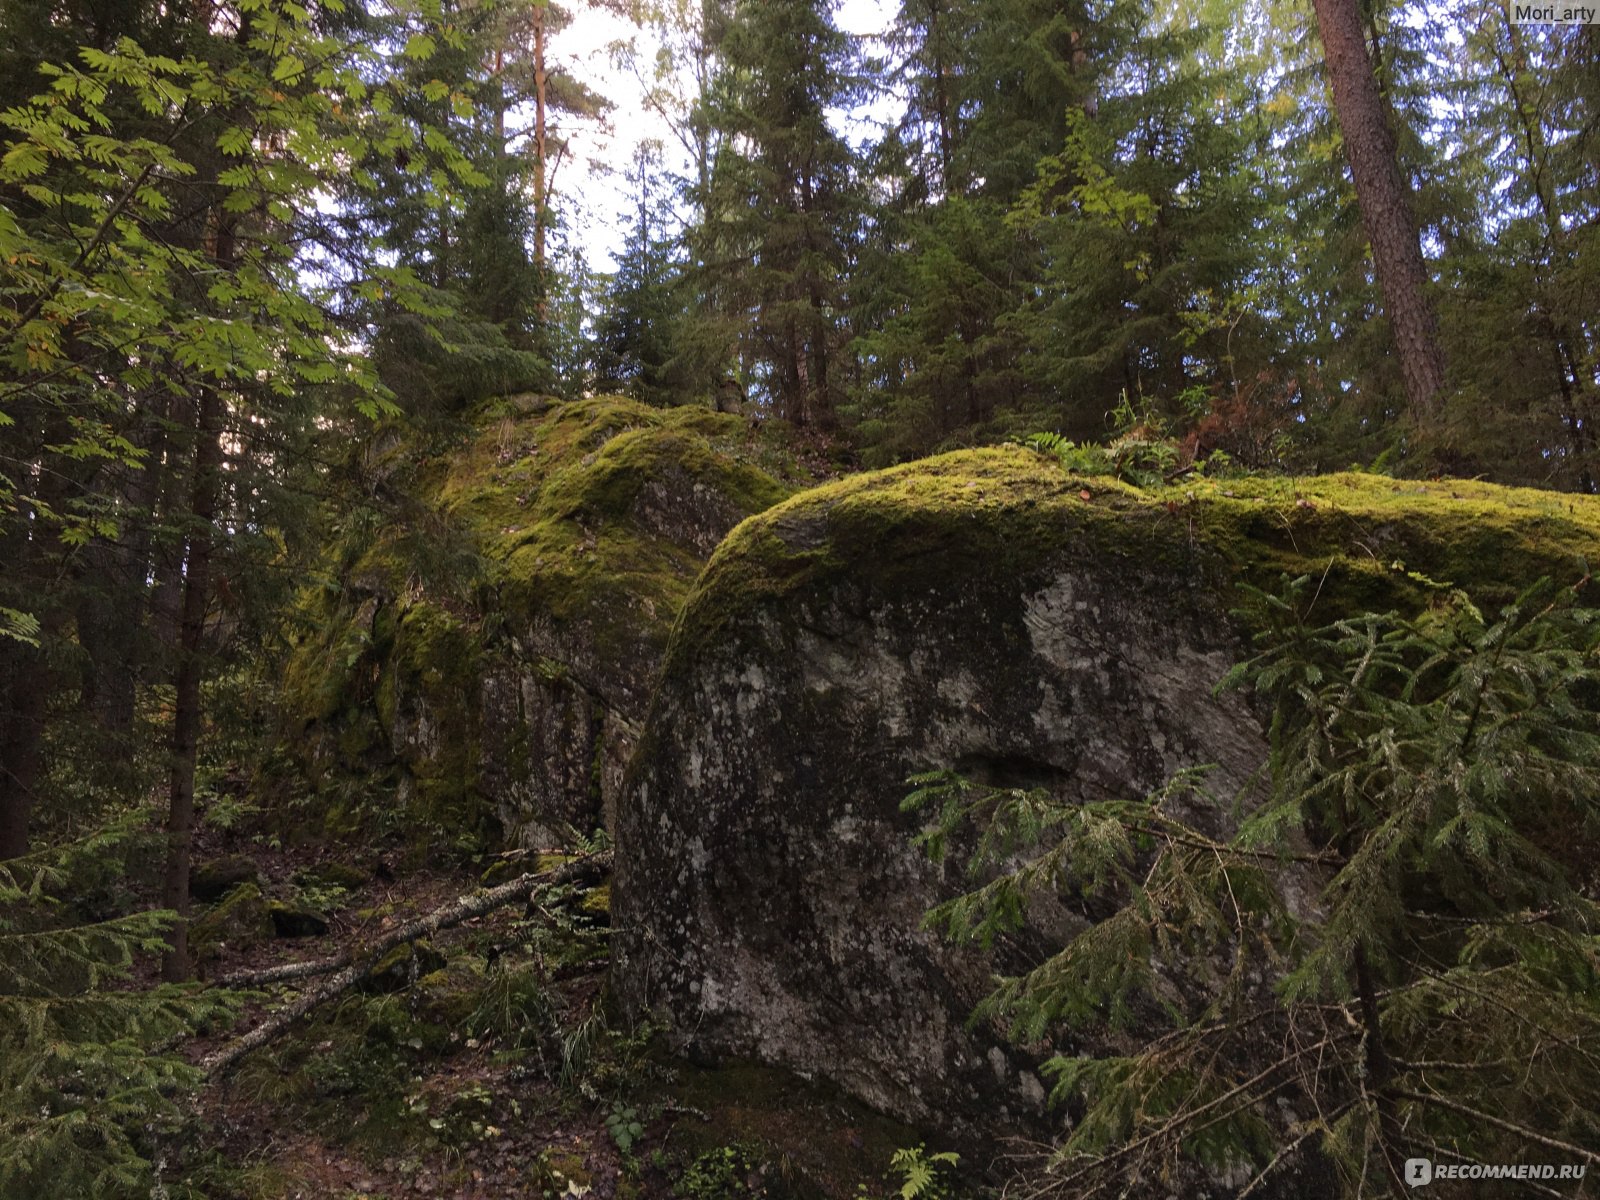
919,1172
1075,458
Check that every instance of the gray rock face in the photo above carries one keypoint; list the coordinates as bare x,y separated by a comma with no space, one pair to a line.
512,707
770,897
540,732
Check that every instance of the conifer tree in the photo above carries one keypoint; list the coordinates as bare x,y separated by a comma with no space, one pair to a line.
784,194
634,333
159,213
1384,196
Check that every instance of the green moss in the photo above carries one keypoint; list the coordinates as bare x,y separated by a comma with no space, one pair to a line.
436,646
598,901
240,920
548,513
213,880
450,995
318,677
295,920
1007,512
400,967
554,498
825,1143
333,875
566,1170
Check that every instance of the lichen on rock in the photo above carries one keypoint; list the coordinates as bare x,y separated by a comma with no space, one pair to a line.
493,693
984,613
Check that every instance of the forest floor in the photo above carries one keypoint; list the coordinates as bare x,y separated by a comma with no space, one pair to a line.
486,1064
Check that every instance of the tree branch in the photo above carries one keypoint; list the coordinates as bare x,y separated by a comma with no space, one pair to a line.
356,967
1521,1131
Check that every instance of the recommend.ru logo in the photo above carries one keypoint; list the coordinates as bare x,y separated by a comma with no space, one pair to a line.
1421,1171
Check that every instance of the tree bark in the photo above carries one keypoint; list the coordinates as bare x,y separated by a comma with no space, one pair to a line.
30,548
203,505
22,695
1384,200
541,199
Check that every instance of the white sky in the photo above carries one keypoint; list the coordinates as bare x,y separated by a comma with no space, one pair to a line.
592,193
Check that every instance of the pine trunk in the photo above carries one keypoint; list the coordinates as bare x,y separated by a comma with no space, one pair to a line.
541,200
204,502
21,726
1384,200
30,549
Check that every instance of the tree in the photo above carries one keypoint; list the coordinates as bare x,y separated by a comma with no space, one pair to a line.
90,1087
1520,285
1430,779
470,241
1381,190
157,219
1145,216
639,309
783,191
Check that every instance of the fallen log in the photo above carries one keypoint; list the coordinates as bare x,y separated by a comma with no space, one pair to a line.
352,968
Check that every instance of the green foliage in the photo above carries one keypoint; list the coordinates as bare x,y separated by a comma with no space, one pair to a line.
785,199
919,1172
19,626
90,1091
721,1173
624,1126
1393,956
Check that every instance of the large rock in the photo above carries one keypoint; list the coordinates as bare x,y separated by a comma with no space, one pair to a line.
482,668
980,612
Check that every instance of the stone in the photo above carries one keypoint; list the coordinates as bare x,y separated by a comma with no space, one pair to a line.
240,920
406,964
295,920
971,612
211,881
507,712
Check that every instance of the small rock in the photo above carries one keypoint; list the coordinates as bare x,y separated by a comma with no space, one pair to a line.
293,921
213,880
238,921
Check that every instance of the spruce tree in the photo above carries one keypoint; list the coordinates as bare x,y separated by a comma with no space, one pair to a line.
784,193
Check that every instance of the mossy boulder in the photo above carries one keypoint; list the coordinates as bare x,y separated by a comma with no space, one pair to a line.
295,920
242,919
978,611
481,671
403,966
211,881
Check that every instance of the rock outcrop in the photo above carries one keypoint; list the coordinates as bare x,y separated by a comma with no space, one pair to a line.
977,611
482,666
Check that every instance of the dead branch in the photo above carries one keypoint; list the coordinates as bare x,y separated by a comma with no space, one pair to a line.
283,972
353,968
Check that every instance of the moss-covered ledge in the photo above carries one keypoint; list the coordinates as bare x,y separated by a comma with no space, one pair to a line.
484,659
1372,541
985,613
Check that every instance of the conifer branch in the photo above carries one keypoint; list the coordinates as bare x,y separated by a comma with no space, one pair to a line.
1511,1127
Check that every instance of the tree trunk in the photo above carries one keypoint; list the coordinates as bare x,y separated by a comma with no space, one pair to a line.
1384,200
941,96
22,695
30,548
541,200
204,501
175,965
111,611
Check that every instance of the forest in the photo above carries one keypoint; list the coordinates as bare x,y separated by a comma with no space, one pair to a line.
384,548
